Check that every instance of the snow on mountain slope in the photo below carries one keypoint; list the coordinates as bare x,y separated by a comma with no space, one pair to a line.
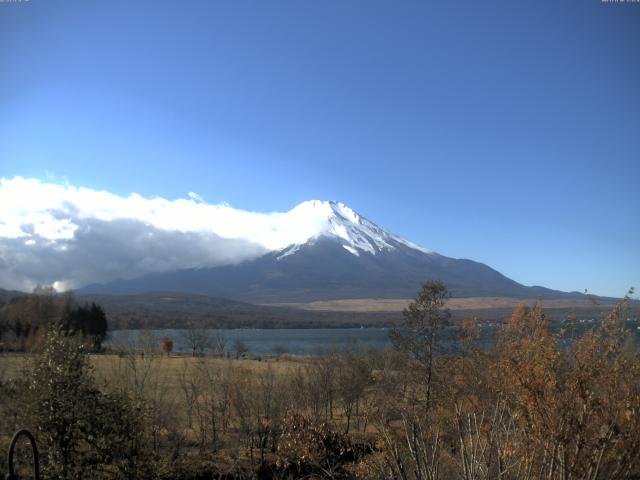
316,218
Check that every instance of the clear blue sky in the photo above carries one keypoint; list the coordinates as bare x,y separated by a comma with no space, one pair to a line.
506,132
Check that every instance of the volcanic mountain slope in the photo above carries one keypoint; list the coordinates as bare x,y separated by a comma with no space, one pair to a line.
336,254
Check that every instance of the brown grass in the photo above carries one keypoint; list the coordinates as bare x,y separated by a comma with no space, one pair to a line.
11,364
397,305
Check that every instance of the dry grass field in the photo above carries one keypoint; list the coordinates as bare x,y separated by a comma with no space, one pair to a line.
105,366
469,303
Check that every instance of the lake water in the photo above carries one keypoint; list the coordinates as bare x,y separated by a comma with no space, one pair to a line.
307,341
263,341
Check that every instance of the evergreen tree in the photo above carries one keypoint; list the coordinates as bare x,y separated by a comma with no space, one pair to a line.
417,335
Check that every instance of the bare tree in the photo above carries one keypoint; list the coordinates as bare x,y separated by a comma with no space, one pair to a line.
217,342
240,347
353,377
189,384
198,340
412,453
321,384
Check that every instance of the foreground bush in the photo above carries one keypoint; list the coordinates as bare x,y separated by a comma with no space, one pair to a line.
82,432
540,405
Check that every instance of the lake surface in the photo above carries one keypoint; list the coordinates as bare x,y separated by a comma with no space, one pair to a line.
264,341
309,341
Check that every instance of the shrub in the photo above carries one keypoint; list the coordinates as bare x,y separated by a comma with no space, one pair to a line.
85,433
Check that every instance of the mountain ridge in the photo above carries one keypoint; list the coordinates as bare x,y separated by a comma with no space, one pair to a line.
376,264
331,252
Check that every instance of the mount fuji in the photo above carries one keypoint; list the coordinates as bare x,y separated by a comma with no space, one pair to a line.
324,250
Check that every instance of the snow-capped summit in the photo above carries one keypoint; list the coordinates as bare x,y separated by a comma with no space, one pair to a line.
313,219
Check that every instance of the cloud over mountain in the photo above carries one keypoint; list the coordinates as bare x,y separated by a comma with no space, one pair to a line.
70,236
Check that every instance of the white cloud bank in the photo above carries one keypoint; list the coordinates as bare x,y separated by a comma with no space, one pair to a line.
72,236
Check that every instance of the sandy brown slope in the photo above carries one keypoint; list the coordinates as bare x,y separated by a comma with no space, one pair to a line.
469,303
